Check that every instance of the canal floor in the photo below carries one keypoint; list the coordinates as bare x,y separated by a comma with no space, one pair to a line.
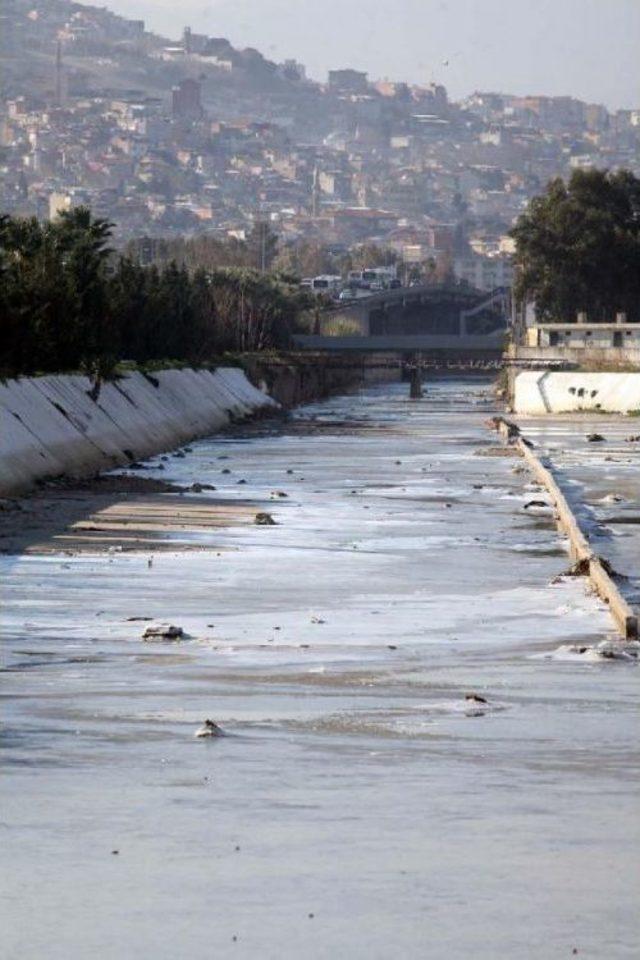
360,804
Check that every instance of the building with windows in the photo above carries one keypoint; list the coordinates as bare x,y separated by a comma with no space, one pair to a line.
484,273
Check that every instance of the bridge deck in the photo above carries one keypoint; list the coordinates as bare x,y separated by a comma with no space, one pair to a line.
489,344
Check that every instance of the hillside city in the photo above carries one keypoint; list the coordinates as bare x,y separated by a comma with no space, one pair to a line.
172,138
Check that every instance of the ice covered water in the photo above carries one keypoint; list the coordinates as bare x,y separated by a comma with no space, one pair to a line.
362,803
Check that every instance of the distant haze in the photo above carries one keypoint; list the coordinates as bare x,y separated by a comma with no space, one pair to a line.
583,48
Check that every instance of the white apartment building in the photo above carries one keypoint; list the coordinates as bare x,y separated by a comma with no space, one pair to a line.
484,273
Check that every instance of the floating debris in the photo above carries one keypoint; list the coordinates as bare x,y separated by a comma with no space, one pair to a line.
598,652
209,729
163,632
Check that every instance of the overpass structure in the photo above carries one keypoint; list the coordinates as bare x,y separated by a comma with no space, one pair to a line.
424,325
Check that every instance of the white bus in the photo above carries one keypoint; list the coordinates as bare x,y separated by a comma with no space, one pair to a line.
378,277
326,283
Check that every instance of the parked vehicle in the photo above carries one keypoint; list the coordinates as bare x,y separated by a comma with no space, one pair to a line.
376,278
326,283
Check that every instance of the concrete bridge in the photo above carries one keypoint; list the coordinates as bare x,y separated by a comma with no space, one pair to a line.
436,323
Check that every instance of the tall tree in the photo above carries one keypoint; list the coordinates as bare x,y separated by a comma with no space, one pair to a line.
578,247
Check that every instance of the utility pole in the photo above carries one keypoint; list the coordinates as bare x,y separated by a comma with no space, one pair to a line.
315,193
59,75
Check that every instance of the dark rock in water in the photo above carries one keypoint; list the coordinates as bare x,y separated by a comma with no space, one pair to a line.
163,632
475,698
633,439
535,503
242,481
579,569
137,466
188,449
209,729
595,437
196,488
225,470
289,471
279,493
179,455
139,619
264,520
8,506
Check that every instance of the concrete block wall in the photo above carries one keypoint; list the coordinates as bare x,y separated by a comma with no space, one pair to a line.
50,425
543,391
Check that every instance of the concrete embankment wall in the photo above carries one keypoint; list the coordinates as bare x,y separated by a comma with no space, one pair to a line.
543,391
300,378
51,426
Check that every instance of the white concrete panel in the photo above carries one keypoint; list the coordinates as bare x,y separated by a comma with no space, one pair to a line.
545,391
51,425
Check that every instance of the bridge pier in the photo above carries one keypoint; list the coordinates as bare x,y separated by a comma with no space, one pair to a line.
415,383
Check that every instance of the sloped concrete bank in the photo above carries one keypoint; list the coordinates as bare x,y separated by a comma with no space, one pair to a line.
537,392
51,426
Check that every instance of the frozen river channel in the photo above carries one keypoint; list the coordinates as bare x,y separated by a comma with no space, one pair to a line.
360,805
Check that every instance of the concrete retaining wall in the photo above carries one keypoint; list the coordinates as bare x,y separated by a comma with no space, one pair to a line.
50,426
539,392
587,358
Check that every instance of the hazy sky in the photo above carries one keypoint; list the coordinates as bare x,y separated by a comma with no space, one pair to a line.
586,48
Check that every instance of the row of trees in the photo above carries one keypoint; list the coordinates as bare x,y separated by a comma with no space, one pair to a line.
262,250
67,303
